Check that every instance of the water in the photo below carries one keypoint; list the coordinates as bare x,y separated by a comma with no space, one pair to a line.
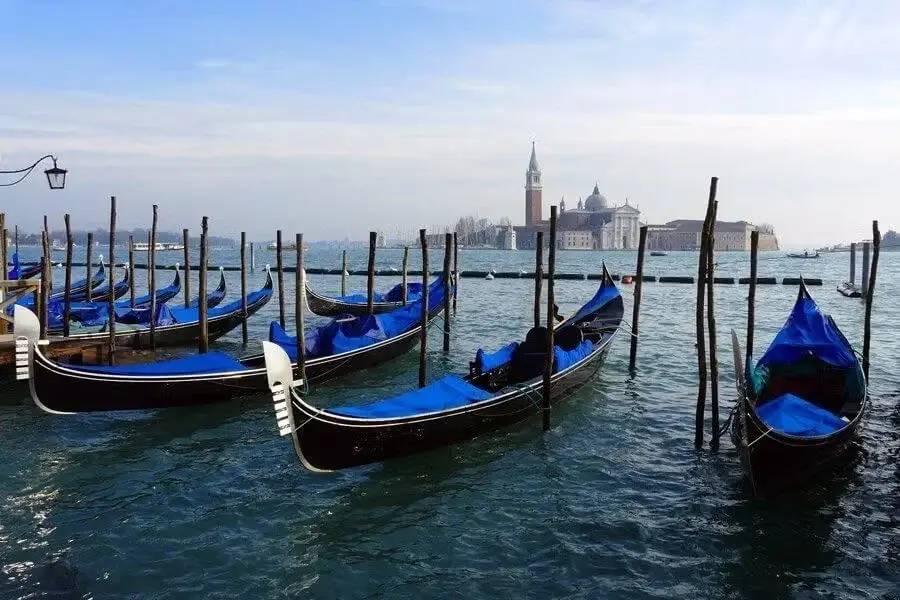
613,502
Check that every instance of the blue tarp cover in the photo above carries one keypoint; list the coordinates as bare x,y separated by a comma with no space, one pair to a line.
604,295
448,392
16,271
793,415
488,362
563,359
345,333
807,332
197,364
395,294
190,315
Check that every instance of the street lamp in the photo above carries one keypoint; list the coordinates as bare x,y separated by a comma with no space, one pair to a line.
56,177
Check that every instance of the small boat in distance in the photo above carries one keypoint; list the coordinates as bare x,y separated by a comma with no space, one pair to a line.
805,254
658,253
273,246
159,246
800,406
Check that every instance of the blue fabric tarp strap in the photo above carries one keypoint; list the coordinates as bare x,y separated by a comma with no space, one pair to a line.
793,415
197,364
445,393
563,359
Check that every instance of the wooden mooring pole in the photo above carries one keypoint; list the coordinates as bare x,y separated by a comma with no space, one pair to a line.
701,331
865,269
279,263
203,284
112,279
370,282
455,269
711,323
131,281
551,299
344,273
405,274
244,334
17,239
43,316
67,293
423,337
299,295
185,236
152,277
90,267
853,263
252,259
638,293
49,258
538,275
867,331
448,247
751,301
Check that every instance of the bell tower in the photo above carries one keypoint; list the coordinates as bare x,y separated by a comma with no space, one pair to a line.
533,188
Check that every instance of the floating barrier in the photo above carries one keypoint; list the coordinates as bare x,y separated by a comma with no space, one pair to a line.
846,288
796,281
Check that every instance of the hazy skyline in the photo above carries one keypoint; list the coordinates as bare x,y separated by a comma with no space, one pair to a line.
337,118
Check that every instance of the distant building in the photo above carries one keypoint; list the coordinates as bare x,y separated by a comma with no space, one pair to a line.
506,238
593,225
684,234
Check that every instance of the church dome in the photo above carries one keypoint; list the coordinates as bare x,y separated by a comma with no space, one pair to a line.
595,201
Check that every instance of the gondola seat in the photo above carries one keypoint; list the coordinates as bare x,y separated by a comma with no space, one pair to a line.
529,356
563,359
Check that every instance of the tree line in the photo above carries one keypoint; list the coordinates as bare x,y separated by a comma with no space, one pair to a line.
79,237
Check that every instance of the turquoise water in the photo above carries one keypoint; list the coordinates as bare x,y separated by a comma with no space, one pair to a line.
613,502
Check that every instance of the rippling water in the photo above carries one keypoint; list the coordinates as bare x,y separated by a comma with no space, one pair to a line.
613,502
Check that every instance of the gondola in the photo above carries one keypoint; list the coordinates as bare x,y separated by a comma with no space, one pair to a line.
80,286
175,326
357,304
101,292
501,389
803,255
211,377
215,297
96,313
24,272
658,253
800,407
162,295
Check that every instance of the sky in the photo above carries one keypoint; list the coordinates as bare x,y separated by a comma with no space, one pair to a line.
336,118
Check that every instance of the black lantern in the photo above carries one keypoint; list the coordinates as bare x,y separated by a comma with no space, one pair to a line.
56,177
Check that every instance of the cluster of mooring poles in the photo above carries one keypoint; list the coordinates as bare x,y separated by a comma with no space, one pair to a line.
849,287
449,280
705,281
42,300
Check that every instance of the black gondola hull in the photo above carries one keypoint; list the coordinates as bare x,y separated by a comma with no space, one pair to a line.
59,389
328,442
775,462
